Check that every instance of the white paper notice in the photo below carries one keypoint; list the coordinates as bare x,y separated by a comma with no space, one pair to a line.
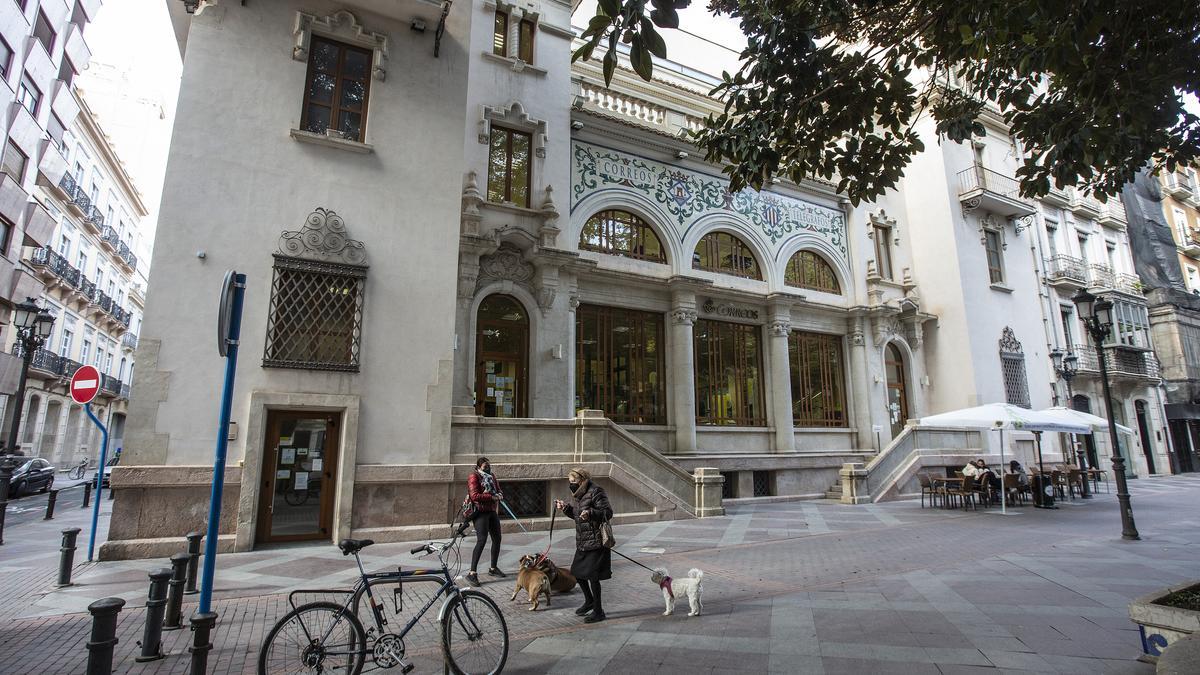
317,464
287,456
282,474
301,480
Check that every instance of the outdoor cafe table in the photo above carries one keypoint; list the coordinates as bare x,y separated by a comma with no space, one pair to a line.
946,482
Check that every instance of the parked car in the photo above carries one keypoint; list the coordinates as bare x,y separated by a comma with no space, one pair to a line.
34,475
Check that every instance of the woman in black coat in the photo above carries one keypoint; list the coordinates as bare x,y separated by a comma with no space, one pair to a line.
589,508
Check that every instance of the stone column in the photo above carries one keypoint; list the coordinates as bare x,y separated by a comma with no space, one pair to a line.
683,372
860,383
468,273
781,382
708,483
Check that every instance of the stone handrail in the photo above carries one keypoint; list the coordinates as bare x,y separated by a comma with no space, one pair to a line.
874,480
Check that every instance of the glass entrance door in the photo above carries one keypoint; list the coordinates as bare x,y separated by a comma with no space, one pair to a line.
897,392
501,342
299,464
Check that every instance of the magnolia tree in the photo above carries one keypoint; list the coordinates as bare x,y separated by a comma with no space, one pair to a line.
1093,90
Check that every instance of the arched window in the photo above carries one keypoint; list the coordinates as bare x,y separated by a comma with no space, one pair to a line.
808,269
722,252
621,233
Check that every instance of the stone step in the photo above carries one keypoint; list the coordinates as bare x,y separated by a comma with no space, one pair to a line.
835,491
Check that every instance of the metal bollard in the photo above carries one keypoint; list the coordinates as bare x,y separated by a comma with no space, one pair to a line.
174,619
110,493
3,515
66,556
104,635
202,625
50,500
87,494
193,539
155,606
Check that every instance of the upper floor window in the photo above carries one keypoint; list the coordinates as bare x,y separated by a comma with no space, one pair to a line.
29,95
501,42
995,256
1181,226
809,270
621,233
315,315
1012,367
337,89
56,130
6,56
43,32
14,161
724,253
882,236
6,230
509,160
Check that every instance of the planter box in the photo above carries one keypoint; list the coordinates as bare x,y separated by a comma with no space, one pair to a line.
1161,625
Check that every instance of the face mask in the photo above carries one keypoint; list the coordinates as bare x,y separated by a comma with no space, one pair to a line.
574,486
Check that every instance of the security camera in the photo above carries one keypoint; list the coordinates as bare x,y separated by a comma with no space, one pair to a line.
418,25
576,125
682,154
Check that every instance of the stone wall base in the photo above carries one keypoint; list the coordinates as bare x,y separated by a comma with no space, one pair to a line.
162,547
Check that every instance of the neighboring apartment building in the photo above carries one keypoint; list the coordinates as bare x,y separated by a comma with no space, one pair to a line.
41,51
93,284
1165,227
575,286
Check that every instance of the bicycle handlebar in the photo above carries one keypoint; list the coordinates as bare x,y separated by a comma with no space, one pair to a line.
420,549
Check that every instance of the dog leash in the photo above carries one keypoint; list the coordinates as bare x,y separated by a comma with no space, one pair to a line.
514,516
630,559
546,554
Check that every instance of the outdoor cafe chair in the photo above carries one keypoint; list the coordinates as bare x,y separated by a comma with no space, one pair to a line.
964,491
928,488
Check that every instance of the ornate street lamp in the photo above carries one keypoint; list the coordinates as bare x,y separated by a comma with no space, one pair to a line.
33,325
1066,366
1096,314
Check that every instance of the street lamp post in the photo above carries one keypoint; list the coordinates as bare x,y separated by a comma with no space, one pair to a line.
33,326
1066,366
1096,314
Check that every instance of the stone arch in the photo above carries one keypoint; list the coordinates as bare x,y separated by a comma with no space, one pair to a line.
677,259
722,223
833,256
529,303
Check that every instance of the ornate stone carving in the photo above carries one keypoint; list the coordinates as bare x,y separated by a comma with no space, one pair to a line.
513,116
573,303
857,338
549,230
1009,344
506,264
471,200
914,333
323,238
545,297
344,25
781,327
886,329
683,315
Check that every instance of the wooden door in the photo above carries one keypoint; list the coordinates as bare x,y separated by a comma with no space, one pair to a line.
299,471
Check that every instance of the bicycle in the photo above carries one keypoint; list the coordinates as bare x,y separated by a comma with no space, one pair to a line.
323,637
76,472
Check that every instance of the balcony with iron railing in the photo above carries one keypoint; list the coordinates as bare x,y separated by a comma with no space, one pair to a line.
110,385
87,288
126,256
104,302
1190,243
1085,204
1066,271
125,390
69,367
129,341
54,266
1179,184
67,186
109,239
1120,361
1104,278
992,191
80,201
1112,214
94,219
122,315
45,363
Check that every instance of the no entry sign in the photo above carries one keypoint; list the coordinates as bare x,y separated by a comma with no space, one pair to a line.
85,384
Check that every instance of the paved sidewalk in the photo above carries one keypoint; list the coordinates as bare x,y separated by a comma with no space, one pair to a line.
791,587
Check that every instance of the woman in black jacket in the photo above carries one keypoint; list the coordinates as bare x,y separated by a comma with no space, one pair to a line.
589,508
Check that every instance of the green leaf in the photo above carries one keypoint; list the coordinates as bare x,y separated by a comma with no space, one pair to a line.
968,35
610,65
654,42
610,7
665,18
639,57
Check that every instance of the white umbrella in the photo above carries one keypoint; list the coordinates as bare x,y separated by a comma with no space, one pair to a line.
1094,422
1001,416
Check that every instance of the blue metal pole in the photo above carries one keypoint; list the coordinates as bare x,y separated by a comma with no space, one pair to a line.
99,478
214,506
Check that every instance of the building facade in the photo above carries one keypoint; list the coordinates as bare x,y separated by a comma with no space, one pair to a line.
41,51
94,280
1166,232
484,251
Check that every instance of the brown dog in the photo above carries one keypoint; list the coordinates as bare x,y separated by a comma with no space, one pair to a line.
561,579
534,581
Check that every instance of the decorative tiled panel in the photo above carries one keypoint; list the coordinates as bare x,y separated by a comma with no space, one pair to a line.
688,195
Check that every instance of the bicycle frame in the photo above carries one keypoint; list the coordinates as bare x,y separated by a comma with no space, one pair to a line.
363,587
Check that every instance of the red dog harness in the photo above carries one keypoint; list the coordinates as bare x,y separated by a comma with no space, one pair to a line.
665,584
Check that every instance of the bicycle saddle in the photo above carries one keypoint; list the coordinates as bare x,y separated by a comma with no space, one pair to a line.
349,546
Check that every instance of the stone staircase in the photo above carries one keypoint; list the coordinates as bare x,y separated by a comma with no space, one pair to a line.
893,471
835,492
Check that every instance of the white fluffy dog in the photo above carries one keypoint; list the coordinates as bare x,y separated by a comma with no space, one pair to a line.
692,586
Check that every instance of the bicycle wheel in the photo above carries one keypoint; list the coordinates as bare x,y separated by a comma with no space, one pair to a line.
76,472
318,637
295,497
474,635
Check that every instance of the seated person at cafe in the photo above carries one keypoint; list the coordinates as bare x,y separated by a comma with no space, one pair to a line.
986,475
1015,468
971,470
